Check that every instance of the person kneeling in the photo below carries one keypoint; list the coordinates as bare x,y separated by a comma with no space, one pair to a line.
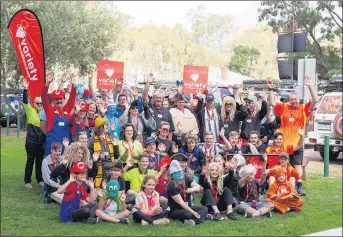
283,194
111,203
179,197
147,209
77,204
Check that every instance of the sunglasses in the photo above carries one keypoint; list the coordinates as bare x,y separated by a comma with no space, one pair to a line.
248,101
134,107
165,129
37,103
230,104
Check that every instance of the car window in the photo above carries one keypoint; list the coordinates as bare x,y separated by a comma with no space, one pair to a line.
330,105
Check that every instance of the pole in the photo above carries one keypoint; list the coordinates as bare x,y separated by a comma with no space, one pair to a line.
292,53
7,125
18,124
326,156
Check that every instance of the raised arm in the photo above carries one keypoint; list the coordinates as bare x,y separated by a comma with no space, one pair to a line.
271,99
313,94
90,84
71,101
301,140
147,87
63,80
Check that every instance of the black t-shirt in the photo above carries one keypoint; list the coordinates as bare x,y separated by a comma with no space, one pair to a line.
248,192
167,149
173,189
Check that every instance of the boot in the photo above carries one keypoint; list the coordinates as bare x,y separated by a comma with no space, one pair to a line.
300,189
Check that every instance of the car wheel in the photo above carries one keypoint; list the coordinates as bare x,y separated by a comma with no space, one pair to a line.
333,155
338,123
3,124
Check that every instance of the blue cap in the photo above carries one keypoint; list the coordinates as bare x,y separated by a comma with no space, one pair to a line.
149,140
209,97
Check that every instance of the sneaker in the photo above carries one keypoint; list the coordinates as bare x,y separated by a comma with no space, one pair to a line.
297,209
268,215
144,223
231,216
248,215
162,221
300,189
41,184
189,222
98,220
209,217
124,221
90,220
217,216
28,185
129,207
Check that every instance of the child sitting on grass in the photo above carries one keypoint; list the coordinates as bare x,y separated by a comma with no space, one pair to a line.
111,204
249,196
77,204
147,209
282,193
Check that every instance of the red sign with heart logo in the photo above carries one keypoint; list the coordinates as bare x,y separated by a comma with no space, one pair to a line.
195,78
108,72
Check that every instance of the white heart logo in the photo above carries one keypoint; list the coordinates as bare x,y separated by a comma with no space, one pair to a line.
195,77
20,32
109,72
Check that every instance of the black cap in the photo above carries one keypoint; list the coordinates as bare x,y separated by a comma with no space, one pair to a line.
179,157
209,97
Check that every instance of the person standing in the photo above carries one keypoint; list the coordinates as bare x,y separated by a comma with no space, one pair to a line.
35,138
58,116
293,116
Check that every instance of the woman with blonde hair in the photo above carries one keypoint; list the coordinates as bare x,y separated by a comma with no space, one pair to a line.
75,152
232,113
217,197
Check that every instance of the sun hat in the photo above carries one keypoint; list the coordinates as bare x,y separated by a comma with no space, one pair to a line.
78,167
179,157
240,159
149,140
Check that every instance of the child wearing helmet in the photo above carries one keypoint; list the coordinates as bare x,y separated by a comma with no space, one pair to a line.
77,204
112,206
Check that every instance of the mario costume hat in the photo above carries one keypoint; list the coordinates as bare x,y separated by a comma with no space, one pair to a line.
174,167
57,94
279,170
179,157
284,155
149,140
84,106
100,121
87,93
78,167
166,160
112,189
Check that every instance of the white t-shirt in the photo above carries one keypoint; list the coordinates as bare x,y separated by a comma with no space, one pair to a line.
111,207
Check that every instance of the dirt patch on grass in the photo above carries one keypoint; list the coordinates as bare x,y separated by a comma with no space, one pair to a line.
317,168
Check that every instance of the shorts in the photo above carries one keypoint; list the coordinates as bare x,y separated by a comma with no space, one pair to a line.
297,157
240,208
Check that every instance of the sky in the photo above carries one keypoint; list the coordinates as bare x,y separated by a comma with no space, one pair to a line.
170,13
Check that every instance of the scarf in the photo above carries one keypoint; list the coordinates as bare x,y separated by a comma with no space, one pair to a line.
97,147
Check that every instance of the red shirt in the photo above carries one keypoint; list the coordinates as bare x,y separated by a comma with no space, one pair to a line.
73,189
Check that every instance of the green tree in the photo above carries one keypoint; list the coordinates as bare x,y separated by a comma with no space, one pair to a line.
76,34
323,22
243,59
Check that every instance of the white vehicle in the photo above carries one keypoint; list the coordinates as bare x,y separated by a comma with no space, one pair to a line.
328,122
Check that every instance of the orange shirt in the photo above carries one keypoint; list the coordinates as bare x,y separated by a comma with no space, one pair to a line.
284,148
291,119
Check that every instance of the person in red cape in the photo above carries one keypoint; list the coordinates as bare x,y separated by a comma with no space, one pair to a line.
57,115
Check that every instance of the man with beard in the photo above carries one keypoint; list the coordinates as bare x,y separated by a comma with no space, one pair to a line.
254,145
159,113
57,115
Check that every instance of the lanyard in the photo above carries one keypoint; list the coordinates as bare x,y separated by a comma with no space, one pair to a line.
53,162
208,114
208,152
104,144
183,191
131,148
249,191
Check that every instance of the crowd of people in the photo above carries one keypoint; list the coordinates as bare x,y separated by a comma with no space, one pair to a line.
152,155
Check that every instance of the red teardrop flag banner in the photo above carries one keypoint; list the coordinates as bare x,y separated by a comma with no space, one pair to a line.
27,38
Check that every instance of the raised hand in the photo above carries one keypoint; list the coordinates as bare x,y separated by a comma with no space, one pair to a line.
72,178
270,82
153,134
230,89
103,184
96,155
115,141
50,78
122,196
239,144
308,81
120,81
175,149
91,182
222,132
150,78
25,84
265,157
232,164
65,142
204,169
300,132
64,77
164,167
73,79
100,192
135,91
126,145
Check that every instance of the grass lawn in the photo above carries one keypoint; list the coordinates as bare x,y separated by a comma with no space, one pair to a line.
24,213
